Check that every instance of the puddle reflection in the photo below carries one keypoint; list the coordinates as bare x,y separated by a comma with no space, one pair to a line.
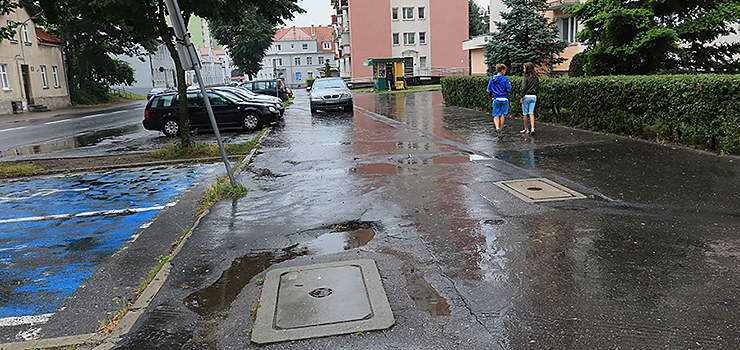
79,141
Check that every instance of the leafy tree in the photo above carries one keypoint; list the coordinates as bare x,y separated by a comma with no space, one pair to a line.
524,35
327,69
649,36
478,20
246,42
89,48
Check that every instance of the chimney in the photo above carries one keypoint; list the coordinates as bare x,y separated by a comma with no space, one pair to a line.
313,31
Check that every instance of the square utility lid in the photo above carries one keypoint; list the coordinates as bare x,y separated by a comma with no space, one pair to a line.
539,190
319,300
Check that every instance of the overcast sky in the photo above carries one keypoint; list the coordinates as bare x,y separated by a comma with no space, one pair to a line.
318,12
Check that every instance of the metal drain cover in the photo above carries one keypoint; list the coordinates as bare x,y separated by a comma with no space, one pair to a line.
320,300
539,190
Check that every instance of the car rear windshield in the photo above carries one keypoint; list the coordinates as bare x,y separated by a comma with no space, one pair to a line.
164,101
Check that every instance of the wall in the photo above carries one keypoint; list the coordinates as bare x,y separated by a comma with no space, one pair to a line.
447,33
370,33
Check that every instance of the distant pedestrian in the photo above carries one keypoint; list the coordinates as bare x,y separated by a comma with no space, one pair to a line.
499,87
530,89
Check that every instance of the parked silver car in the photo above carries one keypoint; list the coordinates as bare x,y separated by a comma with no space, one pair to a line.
330,93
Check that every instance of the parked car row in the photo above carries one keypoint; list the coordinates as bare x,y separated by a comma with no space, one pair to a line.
247,105
230,108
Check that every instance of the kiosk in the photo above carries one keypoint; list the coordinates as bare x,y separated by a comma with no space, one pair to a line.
387,73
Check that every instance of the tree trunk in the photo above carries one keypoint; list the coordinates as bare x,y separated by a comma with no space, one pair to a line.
164,32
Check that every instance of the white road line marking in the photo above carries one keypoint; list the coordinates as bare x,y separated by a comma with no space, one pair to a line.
58,121
93,116
90,213
24,320
22,127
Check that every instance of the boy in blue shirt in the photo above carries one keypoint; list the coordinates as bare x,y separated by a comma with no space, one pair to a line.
499,87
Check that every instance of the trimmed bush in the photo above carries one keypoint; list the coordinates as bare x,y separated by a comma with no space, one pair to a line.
309,82
701,111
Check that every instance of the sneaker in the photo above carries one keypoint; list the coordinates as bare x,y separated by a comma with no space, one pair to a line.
525,131
531,132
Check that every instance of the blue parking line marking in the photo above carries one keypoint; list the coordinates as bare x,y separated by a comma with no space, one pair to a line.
42,262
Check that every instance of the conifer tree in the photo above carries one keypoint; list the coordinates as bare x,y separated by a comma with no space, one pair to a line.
524,35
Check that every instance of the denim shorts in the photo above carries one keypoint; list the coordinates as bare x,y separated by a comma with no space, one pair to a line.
528,104
500,107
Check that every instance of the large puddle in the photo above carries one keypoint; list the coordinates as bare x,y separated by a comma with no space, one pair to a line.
218,297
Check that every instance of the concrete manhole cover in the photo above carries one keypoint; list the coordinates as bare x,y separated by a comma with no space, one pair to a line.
539,190
320,300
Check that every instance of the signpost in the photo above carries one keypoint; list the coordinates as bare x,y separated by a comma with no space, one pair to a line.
191,60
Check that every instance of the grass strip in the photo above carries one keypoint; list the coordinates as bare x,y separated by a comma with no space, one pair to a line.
16,168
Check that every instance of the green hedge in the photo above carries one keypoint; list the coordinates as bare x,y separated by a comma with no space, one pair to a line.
309,82
701,111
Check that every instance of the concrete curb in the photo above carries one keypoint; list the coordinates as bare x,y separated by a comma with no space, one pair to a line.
108,341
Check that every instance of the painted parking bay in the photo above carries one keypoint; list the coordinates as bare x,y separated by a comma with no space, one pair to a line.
55,231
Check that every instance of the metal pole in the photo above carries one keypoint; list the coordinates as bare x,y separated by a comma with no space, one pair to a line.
183,38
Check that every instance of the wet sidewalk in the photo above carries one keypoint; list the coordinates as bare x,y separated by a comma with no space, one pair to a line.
647,259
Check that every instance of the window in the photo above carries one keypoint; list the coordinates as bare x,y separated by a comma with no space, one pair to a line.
421,13
305,46
408,13
321,59
55,76
297,61
310,75
26,34
326,45
422,38
396,40
217,100
408,38
422,62
309,61
394,13
4,76
569,28
44,81
279,47
14,38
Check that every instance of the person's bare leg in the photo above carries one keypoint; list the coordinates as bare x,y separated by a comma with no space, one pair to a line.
497,122
531,121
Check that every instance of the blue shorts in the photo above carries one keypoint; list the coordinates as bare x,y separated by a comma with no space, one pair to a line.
528,103
500,108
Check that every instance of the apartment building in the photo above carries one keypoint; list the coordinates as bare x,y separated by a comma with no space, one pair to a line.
297,54
32,74
428,31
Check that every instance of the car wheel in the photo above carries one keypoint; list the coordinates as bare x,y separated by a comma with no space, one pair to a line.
313,109
171,127
251,121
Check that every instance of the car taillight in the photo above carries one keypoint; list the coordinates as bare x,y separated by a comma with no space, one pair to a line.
146,114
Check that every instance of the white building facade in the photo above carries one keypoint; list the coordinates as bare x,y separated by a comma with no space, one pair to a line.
297,54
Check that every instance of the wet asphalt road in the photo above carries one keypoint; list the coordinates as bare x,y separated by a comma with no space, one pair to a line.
648,260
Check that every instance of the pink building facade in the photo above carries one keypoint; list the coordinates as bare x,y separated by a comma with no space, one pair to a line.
429,31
